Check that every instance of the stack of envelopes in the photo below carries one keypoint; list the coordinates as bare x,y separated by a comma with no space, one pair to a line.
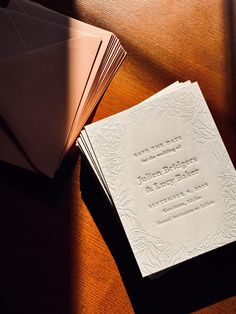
53,71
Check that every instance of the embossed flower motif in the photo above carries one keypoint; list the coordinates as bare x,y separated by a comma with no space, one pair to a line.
179,255
228,223
210,242
217,150
129,220
144,112
229,190
225,165
183,105
203,129
108,138
152,251
115,164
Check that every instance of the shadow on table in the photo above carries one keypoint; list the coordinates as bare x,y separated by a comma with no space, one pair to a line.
35,240
35,228
187,287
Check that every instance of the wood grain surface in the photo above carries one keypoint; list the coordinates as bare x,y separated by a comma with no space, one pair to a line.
62,247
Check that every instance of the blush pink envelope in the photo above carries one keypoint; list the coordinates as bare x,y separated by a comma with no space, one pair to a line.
44,68
108,60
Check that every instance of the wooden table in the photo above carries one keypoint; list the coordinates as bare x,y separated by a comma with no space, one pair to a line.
62,248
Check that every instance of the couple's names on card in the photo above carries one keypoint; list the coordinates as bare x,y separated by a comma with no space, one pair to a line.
176,204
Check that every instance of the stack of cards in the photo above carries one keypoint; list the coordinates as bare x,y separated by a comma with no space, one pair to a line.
53,71
164,167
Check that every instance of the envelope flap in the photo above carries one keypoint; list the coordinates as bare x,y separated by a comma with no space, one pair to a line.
39,95
12,153
35,9
22,33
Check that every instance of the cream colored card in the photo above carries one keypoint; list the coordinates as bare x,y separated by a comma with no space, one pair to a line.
85,145
170,177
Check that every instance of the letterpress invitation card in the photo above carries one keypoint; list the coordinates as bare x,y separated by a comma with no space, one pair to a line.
164,166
